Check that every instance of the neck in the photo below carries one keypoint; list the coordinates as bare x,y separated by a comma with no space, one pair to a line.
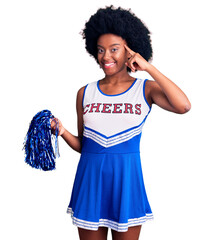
118,77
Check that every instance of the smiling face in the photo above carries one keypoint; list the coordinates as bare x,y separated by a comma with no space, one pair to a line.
112,54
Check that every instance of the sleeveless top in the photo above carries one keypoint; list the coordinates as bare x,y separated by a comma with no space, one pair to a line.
113,123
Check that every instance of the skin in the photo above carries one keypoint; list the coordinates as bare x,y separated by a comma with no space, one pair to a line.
114,56
133,233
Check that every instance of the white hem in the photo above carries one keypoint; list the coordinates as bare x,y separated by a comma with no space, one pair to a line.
119,227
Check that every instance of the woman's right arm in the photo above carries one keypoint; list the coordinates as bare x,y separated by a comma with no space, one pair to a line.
75,141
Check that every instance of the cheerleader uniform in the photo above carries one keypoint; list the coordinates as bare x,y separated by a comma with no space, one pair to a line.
109,190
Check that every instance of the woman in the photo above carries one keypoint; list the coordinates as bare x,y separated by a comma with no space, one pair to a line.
109,191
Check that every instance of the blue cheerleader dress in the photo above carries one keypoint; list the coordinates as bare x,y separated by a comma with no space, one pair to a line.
109,190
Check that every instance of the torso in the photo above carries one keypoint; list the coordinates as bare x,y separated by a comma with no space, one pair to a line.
125,108
110,90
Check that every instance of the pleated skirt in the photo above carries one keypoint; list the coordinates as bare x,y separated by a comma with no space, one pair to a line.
109,191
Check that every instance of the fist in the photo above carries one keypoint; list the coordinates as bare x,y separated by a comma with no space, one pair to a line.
54,123
136,61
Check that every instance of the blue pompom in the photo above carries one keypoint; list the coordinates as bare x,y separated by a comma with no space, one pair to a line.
38,145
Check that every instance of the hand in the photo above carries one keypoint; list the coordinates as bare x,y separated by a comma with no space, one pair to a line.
54,123
136,61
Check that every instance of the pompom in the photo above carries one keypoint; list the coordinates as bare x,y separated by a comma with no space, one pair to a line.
38,144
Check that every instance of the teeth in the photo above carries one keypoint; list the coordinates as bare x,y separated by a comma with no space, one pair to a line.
108,64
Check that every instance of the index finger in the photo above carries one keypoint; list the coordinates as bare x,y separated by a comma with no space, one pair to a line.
129,50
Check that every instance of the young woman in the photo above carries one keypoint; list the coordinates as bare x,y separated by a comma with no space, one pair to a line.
109,191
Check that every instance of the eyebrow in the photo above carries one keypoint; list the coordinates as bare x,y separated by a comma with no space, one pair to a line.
110,45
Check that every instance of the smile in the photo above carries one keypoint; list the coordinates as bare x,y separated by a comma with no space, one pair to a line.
109,65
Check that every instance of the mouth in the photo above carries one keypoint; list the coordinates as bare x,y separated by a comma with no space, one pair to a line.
108,65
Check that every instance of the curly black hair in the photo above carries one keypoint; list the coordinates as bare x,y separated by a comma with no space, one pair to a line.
122,23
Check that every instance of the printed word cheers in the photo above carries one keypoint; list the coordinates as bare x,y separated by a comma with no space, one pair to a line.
113,108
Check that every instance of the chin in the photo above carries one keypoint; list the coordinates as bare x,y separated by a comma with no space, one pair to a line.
111,72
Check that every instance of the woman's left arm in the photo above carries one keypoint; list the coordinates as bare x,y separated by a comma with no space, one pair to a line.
163,91
166,93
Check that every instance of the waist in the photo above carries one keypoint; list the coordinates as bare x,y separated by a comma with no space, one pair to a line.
111,146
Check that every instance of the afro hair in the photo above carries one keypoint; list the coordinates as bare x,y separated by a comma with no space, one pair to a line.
122,23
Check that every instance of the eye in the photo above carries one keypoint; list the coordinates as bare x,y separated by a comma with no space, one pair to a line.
114,49
100,50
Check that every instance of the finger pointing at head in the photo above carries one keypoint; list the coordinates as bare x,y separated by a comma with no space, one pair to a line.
129,50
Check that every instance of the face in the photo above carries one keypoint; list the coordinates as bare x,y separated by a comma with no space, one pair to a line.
112,54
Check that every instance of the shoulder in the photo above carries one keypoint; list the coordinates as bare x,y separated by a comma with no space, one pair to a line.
81,91
151,88
150,84
80,96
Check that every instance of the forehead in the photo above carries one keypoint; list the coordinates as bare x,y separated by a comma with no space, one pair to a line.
109,39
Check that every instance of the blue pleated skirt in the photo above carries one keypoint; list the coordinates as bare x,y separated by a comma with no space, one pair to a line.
109,191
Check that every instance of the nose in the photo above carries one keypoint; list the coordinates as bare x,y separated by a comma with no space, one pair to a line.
106,55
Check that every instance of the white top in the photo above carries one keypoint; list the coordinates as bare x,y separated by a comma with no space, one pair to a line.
111,117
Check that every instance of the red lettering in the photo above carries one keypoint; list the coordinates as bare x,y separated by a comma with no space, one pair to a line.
138,109
117,108
106,107
96,107
128,106
85,111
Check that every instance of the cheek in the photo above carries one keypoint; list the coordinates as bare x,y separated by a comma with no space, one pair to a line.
122,56
98,58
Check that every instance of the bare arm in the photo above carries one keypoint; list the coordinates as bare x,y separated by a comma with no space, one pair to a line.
74,141
162,91
166,94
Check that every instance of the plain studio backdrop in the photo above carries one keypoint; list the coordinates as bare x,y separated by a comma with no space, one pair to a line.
43,63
